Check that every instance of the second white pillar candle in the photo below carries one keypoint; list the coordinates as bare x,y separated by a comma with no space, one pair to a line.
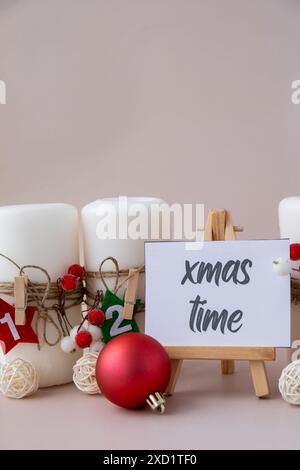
128,252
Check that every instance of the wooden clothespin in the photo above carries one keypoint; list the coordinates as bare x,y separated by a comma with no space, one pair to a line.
20,293
130,295
219,226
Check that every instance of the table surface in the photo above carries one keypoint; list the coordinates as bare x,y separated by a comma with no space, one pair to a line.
208,411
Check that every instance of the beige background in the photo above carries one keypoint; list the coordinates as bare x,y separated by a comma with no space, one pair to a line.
188,100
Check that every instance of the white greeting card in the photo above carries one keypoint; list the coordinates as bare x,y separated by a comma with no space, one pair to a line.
223,293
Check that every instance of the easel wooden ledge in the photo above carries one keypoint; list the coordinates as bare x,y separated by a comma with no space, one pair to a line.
219,227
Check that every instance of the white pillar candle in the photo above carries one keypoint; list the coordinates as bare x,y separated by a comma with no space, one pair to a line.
289,224
289,218
128,252
45,235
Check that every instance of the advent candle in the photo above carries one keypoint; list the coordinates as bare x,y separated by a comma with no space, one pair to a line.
289,218
110,228
45,235
289,224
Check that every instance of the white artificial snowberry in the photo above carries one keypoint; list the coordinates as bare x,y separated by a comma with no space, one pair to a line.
94,331
282,266
96,346
67,344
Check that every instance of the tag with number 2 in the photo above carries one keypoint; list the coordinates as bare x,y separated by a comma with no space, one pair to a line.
115,324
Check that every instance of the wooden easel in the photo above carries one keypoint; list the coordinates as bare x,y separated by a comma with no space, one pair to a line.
219,227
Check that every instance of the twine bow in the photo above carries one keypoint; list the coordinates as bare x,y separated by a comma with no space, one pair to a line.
117,274
40,305
39,293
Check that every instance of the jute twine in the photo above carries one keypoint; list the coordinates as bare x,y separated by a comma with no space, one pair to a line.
39,293
120,276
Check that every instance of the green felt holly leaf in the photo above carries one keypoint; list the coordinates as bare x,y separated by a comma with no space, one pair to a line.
115,324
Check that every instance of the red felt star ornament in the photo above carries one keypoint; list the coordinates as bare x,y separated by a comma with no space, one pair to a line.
12,334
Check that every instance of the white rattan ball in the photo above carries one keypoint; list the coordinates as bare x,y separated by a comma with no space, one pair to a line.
289,383
18,379
84,374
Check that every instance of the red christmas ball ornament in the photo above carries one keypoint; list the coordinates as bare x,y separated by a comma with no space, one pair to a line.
96,317
83,339
77,271
134,369
295,251
68,282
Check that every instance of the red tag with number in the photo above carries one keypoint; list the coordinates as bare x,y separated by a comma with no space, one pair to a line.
12,334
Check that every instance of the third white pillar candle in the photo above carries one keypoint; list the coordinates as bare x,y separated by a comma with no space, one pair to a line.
289,224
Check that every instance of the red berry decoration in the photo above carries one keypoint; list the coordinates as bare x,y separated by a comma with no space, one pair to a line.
96,317
295,251
77,271
134,369
69,282
83,339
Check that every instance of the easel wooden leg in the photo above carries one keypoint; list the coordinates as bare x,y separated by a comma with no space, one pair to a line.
175,371
260,379
227,367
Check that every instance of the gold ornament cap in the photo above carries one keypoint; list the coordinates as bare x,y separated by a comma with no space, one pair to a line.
157,402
